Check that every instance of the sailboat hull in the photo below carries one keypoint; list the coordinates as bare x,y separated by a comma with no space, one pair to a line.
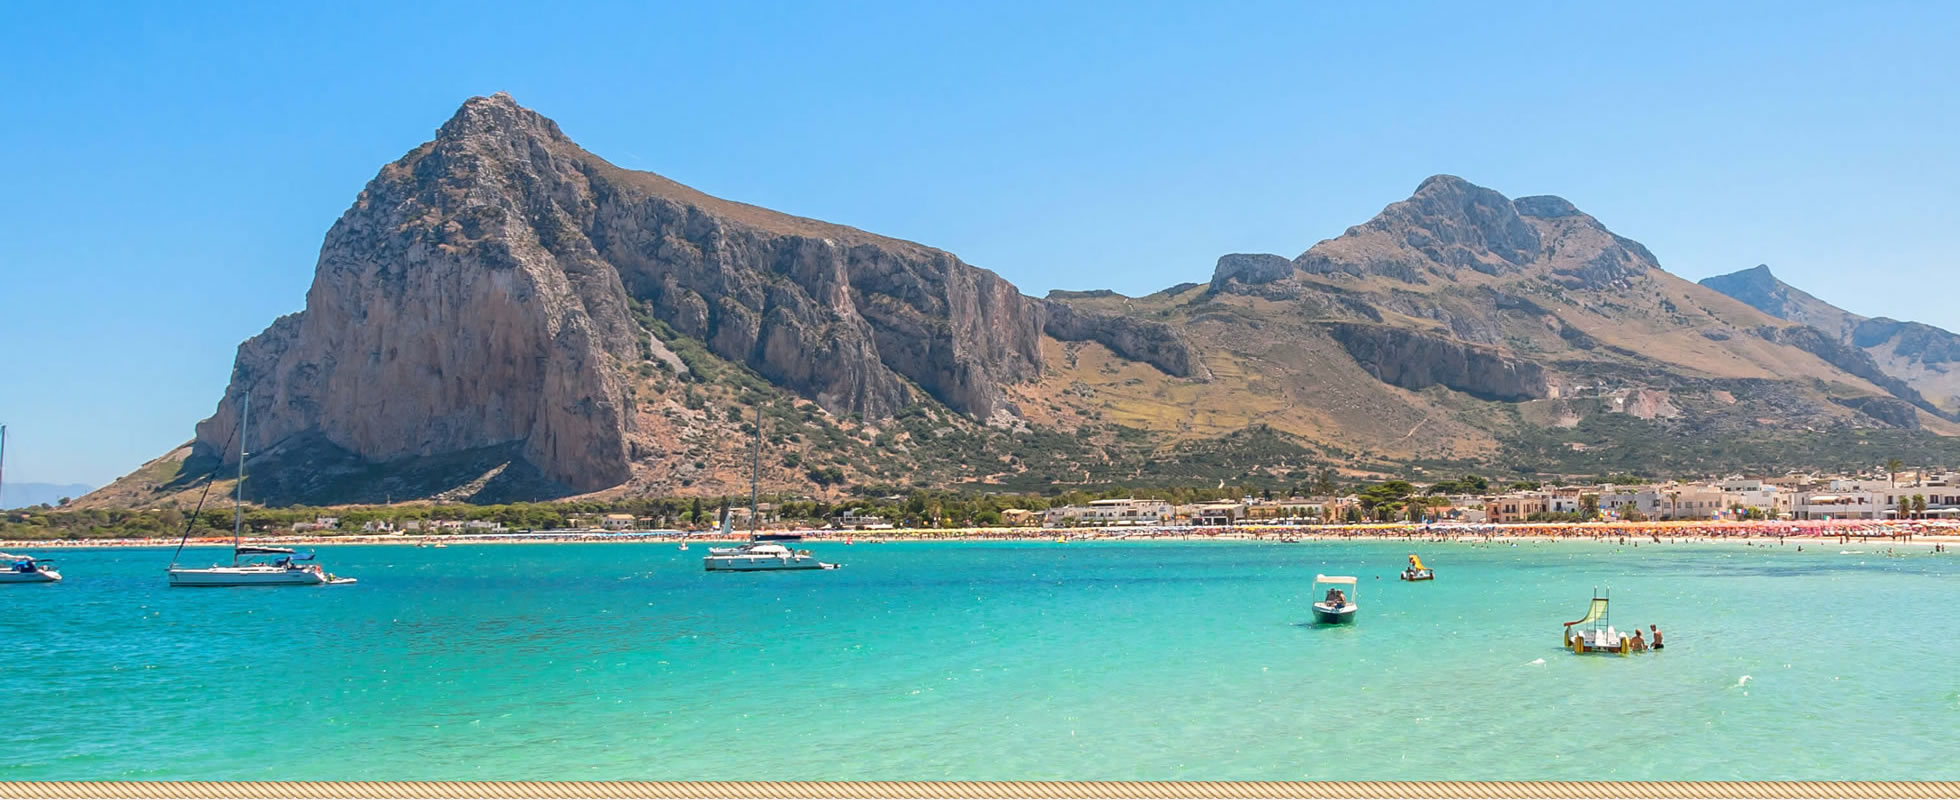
37,576
245,576
745,563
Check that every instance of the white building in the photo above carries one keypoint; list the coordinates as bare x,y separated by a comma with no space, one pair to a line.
1624,502
1124,511
1841,504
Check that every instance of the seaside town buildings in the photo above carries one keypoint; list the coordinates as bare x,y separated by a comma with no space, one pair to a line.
1914,495
1791,497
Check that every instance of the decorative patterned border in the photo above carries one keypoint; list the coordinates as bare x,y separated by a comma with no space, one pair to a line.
974,790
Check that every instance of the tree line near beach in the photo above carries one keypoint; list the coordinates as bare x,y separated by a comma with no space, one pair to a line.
920,508
1385,501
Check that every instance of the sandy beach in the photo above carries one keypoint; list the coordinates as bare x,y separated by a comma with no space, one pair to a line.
1918,534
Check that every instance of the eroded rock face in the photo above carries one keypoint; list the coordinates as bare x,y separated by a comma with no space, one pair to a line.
1849,359
1418,361
1148,341
479,293
1888,410
452,309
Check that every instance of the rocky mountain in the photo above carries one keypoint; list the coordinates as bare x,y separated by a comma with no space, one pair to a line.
1922,358
501,315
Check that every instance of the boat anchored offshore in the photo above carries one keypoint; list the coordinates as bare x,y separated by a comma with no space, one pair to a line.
250,565
27,569
762,552
257,566
1598,636
1337,606
758,556
1416,571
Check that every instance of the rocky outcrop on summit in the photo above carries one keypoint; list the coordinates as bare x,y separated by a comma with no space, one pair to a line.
1250,268
1418,361
480,292
1148,341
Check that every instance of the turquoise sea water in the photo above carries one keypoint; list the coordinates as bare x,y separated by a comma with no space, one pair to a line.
1162,660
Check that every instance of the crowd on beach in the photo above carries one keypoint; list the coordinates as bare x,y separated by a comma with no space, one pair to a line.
1844,531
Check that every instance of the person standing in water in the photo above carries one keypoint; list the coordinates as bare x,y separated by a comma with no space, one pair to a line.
1657,636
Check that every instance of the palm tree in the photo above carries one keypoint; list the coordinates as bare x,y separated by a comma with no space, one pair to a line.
1892,467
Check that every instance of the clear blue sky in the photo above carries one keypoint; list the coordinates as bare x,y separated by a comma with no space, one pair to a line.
170,172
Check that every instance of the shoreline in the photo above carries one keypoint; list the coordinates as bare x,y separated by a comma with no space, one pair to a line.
1890,534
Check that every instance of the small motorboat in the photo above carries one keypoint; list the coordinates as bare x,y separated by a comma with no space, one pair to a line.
1416,571
27,569
1337,606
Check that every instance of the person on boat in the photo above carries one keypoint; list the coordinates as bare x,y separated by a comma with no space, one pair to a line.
1335,598
1657,636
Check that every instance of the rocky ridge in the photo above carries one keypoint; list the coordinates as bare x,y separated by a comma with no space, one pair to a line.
1915,362
502,314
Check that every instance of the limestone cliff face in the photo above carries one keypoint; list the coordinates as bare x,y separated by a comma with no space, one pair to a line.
451,309
1148,341
1414,360
840,315
479,293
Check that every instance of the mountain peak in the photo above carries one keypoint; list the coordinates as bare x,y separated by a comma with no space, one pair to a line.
498,115
1762,290
1445,183
1448,224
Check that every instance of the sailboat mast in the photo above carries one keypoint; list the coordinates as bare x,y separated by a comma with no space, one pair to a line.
238,501
755,469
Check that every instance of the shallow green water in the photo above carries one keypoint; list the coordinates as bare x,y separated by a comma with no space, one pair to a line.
989,661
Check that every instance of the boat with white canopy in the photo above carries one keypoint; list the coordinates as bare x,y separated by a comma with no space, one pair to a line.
1336,606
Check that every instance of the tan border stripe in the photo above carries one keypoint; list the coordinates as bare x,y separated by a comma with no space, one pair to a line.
972,790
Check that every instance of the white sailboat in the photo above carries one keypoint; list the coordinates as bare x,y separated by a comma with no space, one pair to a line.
251,565
759,553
